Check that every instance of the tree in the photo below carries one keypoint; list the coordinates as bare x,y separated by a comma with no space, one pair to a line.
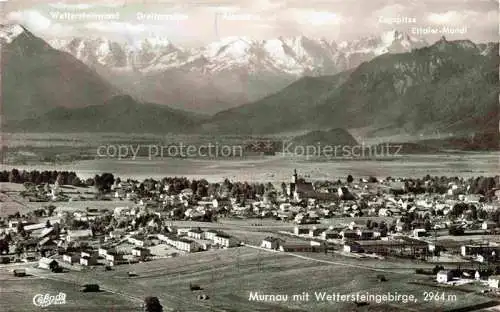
194,186
437,268
152,304
104,182
350,179
76,181
455,230
4,246
458,209
50,210
201,190
482,185
482,214
19,249
89,182
383,229
283,188
473,212
14,176
428,225
369,224
60,179
212,189
28,186
20,229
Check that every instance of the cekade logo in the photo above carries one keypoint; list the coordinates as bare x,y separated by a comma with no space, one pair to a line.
45,300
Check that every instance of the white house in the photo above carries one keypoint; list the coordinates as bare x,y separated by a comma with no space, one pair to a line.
71,258
47,263
45,232
296,247
472,198
384,212
13,225
227,241
271,243
316,231
116,233
488,225
136,241
494,281
120,211
140,252
330,234
75,235
444,276
185,245
181,243
419,232
90,254
353,247
195,233
300,230
103,252
32,227
114,258
87,261
183,231
210,234
285,206
485,250
203,244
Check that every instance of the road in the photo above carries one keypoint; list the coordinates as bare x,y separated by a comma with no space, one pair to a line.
403,269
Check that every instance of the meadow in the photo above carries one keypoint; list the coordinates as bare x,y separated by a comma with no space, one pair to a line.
229,276
79,152
18,296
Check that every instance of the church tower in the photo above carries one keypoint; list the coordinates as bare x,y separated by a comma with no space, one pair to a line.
294,177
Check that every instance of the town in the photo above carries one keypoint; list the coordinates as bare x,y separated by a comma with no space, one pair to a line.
447,228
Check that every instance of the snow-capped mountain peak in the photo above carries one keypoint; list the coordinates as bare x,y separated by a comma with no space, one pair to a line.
235,47
150,43
296,56
10,32
116,55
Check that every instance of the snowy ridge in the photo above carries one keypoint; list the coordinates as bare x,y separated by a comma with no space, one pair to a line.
10,32
291,56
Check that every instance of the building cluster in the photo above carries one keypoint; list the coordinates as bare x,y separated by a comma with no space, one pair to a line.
193,240
403,218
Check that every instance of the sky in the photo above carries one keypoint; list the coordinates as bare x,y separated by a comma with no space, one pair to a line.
198,22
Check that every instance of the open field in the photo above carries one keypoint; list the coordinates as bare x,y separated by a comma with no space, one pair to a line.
469,238
253,230
11,201
10,204
228,277
16,294
278,168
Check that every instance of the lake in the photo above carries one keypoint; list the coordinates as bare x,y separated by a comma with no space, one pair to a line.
277,168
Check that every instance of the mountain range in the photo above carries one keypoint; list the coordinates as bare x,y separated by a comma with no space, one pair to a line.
224,73
449,87
120,114
44,89
37,78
